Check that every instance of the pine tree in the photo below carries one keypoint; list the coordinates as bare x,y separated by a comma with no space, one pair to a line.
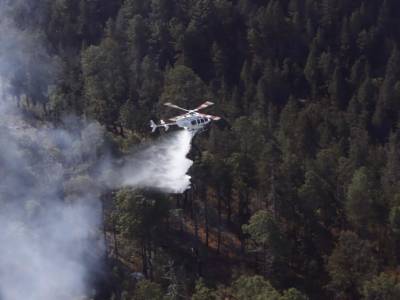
311,68
385,115
183,87
137,33
104,81
362,205
391,174
350,265
384,286
338,88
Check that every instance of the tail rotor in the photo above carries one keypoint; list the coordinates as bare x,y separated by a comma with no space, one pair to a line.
153,126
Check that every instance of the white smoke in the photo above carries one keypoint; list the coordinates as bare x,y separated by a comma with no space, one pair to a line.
42,259
48,231
50,211
51,180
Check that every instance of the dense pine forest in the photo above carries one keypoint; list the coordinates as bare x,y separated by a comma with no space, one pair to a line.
295,193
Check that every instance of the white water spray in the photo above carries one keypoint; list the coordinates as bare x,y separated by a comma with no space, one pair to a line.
163,165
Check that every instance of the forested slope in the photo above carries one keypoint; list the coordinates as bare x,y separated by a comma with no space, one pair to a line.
295,194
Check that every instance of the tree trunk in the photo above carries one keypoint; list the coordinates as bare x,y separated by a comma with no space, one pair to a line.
181,221
241,215
196,229
185,199
190,196
44,106
206,217
144,259
149,262
219,225
229,208
115,239
104,226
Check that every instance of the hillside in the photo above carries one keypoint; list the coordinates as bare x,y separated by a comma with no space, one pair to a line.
295,193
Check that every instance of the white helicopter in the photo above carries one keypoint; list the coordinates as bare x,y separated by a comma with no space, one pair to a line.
192,120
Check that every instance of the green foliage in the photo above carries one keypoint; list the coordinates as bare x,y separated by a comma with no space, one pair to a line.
338,87
293,294
202,292
350,265
391,176
264,230
104,81
140,216
384,286
137,33
183,87
146,290
394,219
254,288
360,199
311,70
308,147
383,117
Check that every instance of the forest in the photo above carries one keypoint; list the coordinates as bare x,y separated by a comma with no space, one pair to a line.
295,193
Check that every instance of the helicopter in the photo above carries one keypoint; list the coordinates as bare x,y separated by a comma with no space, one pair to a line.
192,120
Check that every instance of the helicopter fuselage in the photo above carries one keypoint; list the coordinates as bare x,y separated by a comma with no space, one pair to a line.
193,122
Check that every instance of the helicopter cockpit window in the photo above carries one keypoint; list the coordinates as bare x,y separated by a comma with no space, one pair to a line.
194,122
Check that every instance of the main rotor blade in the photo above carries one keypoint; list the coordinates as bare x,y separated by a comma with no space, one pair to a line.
175,106
214,118
204,105
174,119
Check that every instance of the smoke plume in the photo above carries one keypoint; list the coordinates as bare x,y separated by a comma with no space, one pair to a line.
50,212
51,180
48,225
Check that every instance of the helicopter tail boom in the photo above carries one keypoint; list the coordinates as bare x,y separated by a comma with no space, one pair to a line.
163,124
154,126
